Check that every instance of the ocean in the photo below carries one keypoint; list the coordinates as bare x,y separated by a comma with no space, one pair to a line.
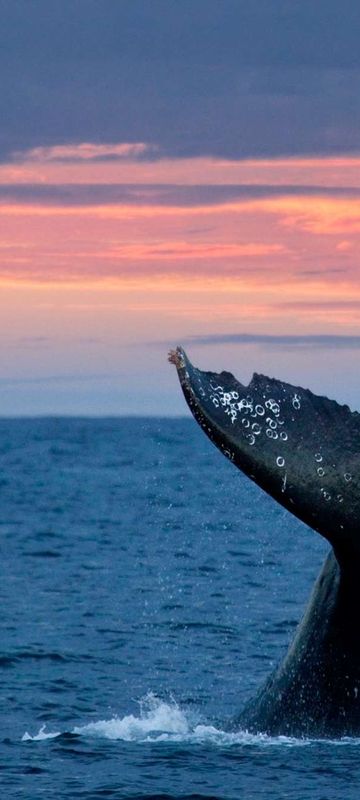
147,589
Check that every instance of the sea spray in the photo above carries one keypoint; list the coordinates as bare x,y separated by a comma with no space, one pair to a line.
161,721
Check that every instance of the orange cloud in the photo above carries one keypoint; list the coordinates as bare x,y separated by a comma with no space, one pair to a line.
320,215
344,246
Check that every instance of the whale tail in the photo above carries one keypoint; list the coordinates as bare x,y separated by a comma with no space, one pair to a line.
304,450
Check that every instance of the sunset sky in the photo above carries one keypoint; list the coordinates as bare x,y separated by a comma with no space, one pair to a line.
176,172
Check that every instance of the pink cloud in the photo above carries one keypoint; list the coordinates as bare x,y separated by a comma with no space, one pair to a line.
261,237
83,152
283,259
86,163
183,250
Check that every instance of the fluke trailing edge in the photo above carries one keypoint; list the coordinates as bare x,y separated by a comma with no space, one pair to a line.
303,450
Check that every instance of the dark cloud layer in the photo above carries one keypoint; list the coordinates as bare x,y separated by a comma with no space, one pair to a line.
282,341
164,195
223,77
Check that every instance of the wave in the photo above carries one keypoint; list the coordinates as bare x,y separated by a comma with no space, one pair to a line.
161,721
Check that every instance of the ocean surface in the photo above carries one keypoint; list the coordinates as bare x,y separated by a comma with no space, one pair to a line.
147,588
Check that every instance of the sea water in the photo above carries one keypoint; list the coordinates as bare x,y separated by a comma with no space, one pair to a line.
147,589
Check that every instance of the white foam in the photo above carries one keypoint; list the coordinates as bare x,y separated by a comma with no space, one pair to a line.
156,719
40,736
159,721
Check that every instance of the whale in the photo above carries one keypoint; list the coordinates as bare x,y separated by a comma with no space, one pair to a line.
304,451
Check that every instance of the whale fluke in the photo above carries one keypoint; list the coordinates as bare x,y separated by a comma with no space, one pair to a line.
303,450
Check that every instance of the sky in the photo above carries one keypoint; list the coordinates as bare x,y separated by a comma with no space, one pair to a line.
176,172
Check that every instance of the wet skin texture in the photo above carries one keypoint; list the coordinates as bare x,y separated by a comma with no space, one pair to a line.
303,450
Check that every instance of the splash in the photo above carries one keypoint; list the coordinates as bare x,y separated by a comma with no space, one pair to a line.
40,736
161,721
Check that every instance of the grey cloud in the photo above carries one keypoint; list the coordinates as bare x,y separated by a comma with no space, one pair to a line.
202,76
286,340
313,272
97,194
211,32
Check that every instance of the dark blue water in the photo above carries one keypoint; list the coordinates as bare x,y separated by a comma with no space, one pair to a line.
147,588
